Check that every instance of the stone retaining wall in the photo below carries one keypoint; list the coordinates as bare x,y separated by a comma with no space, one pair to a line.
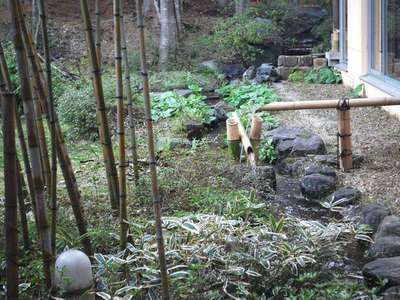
286,64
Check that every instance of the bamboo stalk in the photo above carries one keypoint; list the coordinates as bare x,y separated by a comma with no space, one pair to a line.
98,33
325,104
5,75
50,103
246,144
37,90
10,187
32,142
105,136
152,160
119,96
128,92
64,159
233,137
22,193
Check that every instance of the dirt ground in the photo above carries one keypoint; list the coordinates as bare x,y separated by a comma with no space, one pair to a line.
376,136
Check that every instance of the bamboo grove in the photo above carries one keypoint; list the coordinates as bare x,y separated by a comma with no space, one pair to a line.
27,118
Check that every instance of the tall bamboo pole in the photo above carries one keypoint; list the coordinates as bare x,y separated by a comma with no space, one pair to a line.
22,193
5,75
128,92
10,187
98,33
152,160
32,142
63,157
119,96
21,187
37,95
104,130
50,103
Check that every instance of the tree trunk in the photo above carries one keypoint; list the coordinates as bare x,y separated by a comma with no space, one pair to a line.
168,33
241,6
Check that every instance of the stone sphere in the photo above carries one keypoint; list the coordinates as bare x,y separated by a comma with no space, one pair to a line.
73,272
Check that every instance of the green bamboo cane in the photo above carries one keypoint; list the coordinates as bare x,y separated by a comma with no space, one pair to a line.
152,160
62,152
34,150
10,188
128,92
121,124
5,76
98,33
105,136
50,103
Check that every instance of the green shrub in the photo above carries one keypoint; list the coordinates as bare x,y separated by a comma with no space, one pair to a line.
235,38
76,107
247,98
182,109
297,76
324,76
267,152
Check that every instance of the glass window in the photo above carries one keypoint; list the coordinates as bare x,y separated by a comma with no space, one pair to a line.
386,38
343,31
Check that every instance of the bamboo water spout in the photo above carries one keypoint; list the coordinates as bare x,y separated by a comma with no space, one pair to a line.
246,144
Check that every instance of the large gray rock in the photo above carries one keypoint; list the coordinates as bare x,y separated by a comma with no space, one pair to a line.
211,65
373,215
262,178
392,293
250,73
232,70
387,238
296,142
383,268
322,170
317,186
352,195
266,72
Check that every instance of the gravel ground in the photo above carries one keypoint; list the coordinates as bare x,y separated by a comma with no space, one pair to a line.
376,136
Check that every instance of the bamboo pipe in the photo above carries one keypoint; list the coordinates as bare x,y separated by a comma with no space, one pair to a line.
119,96
10,191
233,137
325,104
255,134
105,136
246,144
152,159
22,65
128,92
64,159
50,104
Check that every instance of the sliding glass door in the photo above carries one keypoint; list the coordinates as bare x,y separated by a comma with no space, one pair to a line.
385,38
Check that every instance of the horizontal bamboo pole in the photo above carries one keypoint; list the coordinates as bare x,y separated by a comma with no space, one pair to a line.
326,104
246,144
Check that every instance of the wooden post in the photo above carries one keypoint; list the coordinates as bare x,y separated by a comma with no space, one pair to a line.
344,134
255,134
233,136
246,144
